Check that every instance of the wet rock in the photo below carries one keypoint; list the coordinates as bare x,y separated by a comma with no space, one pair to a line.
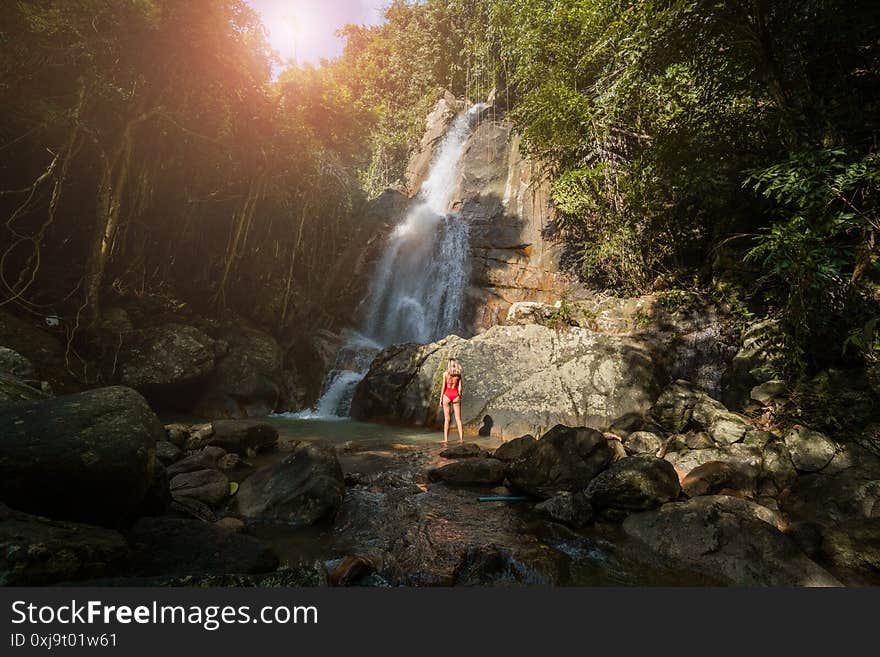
350,569
727,537
188,507
470,471
203,459
463,451
168,452
208,486
239,436
166,546
715,476
491,565
565,459
87,457
525,378
810,450
307,486
514,449
573,509
635,483
36,551
852,548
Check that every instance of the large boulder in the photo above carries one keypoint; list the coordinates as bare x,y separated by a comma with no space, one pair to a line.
86,457
524,379
13,389
635,483
564,460
249,378
14,364
210,487
832,499
40,348
470,471
729,538
240,436
572,509
515,449
810,450
36,551
757,362
164,358
853,548
682,405
307,486
179,546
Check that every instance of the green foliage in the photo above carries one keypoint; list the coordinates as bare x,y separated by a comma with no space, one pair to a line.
816,253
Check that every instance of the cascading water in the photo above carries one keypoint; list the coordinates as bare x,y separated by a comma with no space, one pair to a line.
417,291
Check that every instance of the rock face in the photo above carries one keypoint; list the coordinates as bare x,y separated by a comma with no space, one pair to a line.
86,457
435,129
564,460
727,537
305,487
36,551
470,471
506,201
165,357
248,380
524,378
635,483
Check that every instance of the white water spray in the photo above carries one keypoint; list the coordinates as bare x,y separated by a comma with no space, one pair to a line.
417,290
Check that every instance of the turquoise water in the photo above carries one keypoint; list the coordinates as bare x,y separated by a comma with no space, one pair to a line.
367,435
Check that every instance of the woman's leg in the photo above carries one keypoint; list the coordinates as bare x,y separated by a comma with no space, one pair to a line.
445,419
457,405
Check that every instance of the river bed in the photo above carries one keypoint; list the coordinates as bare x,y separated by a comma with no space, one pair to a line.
414,532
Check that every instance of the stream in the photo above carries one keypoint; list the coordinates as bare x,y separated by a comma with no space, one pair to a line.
419,533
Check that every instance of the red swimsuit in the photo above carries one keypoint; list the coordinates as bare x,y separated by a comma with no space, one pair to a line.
451,391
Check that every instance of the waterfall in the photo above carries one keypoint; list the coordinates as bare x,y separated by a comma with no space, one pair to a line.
417,291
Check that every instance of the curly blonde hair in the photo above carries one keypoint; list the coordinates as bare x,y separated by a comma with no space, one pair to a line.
452,367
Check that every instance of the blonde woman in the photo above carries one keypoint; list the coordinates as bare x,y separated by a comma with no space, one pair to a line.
451,394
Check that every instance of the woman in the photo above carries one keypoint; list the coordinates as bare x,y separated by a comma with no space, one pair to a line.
451,394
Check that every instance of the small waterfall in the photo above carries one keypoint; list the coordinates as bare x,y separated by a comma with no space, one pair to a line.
418,288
